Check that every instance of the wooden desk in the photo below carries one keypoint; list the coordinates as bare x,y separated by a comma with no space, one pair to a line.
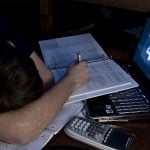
140,128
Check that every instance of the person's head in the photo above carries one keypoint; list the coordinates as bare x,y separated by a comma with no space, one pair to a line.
20,83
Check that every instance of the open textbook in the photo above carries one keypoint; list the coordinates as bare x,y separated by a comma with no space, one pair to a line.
106,76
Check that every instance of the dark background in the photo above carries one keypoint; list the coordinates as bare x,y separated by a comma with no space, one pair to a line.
107,24
25,14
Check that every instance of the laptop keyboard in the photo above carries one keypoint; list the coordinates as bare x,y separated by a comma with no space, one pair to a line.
130,101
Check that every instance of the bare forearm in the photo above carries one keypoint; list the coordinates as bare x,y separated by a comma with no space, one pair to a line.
25,123
43,70
32,119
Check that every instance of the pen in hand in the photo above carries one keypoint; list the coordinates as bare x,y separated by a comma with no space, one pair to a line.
79,57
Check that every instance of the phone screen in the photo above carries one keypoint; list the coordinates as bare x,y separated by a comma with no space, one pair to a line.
99,106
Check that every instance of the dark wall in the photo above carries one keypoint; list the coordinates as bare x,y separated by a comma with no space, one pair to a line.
107,24
25,14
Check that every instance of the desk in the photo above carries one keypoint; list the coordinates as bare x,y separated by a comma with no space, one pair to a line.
139,128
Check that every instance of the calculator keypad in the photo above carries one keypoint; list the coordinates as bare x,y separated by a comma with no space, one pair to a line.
130,101
98,132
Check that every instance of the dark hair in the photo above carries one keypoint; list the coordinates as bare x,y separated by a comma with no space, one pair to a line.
20,83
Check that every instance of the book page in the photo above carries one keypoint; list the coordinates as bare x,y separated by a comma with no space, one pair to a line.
61,52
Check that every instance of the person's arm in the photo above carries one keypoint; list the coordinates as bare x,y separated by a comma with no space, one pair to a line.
43,70
22,125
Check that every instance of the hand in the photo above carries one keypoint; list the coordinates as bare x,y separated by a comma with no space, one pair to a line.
78,73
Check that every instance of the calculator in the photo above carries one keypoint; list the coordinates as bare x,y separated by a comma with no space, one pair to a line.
98,135
130,104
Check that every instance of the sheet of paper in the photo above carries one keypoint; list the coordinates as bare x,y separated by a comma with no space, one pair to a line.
61,52
66,113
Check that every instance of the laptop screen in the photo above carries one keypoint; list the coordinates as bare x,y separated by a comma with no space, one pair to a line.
142,54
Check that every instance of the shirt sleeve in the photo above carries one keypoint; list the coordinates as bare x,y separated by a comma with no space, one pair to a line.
8,32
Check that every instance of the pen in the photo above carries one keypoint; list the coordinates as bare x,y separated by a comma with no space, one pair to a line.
112,120
79,57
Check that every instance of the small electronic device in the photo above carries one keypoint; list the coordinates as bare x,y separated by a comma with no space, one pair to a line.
127,104
97,134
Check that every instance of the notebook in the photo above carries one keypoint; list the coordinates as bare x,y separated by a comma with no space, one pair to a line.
133,103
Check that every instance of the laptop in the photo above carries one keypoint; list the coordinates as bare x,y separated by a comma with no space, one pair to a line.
132,103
